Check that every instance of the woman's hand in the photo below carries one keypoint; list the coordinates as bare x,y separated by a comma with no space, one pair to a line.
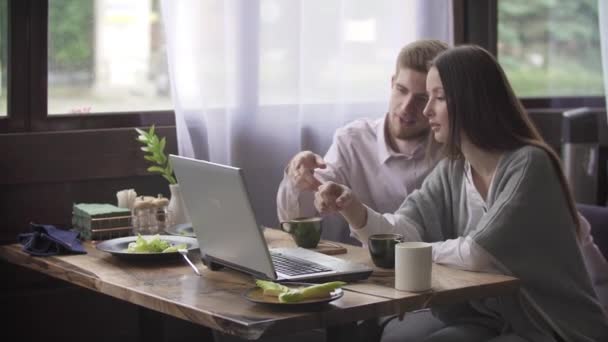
333,197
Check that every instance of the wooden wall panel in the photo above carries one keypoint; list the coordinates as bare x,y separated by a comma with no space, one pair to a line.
52,202
74,155
43,174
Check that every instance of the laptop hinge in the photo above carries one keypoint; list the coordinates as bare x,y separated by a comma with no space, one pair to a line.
216,264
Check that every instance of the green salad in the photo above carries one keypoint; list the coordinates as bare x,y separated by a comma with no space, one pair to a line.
154,245
287,295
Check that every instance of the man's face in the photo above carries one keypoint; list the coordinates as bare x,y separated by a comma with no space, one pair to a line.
408,98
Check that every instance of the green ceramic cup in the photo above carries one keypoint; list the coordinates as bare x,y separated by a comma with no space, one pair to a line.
306,231
382,249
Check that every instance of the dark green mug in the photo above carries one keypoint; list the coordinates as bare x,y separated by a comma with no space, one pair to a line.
306,231
382,249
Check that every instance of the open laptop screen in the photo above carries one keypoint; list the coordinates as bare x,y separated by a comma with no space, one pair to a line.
228,234
222,217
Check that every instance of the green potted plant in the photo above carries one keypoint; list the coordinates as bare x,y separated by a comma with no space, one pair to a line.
154,147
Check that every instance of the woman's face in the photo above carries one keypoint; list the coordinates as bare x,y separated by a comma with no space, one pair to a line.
436,110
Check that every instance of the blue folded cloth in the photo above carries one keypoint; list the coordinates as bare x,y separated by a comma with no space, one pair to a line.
47,240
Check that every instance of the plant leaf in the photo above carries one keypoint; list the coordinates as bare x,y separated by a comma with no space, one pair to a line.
143,133
163,159
163,143
170,179
156,159
155,148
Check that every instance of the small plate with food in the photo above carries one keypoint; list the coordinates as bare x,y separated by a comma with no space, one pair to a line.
294,294
148,246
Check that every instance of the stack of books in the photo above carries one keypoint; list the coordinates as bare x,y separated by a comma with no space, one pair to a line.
101,221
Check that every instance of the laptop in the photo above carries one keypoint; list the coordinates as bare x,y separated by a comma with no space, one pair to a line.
229,236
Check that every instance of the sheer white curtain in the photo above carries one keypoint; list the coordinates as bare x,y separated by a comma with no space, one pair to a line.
255,81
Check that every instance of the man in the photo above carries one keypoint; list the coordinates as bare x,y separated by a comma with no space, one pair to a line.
381,160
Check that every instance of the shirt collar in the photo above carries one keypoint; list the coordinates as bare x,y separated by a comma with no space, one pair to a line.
468,174
385,152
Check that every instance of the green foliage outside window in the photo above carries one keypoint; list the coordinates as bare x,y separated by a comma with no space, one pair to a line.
71,25
551,47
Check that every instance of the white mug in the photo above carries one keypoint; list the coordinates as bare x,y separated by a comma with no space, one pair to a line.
413,265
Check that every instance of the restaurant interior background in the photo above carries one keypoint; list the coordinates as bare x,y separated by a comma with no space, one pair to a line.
76,76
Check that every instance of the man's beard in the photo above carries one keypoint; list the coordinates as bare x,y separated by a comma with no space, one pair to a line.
412,135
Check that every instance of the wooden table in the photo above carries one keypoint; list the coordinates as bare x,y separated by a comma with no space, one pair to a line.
215,300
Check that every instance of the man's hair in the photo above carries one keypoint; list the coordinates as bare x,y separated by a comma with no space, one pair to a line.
418,55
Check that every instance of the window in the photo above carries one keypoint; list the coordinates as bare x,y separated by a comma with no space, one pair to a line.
306,57
3,55
53,69
106,56
550,48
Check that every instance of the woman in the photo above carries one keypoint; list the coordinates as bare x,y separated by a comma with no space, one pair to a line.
498,203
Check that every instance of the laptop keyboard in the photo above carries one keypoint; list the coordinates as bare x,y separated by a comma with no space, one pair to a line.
292,266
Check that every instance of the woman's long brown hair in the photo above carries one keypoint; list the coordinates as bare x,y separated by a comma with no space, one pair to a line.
482,104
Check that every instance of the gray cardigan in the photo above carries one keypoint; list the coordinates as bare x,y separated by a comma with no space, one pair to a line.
528,229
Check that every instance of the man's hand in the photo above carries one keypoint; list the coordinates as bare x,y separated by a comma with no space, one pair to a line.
301,170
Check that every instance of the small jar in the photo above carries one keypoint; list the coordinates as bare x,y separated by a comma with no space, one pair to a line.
150,215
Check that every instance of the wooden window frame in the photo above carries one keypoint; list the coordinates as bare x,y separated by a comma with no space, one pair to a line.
27,81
